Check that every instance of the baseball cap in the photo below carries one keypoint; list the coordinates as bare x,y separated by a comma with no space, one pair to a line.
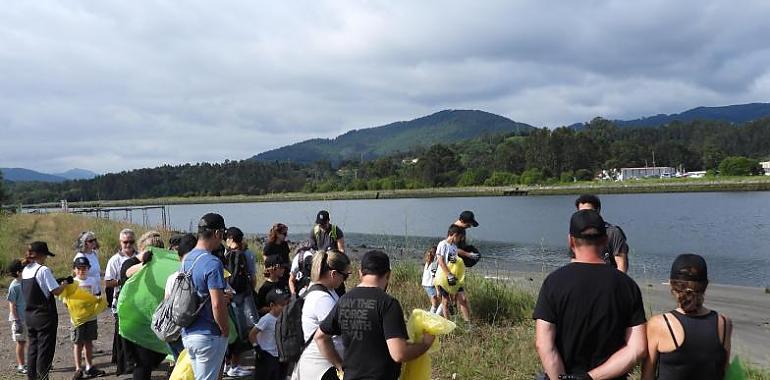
587,224
277,296
234,233
186,244
272,260
468,218
689,267
322,217
81,262
40,247
211,222
375,262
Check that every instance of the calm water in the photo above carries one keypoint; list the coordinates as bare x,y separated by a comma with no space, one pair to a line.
732,230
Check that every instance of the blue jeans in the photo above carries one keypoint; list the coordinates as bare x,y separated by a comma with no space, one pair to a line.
207,353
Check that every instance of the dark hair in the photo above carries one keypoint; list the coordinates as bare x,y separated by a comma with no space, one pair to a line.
689,294
15,268
206,234
276,229
325,261
430,254
591,199
455,229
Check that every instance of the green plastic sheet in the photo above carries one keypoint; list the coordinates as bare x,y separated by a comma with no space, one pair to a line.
735,371
141,295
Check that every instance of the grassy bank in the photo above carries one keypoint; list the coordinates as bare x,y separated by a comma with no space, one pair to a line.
498,345
628,187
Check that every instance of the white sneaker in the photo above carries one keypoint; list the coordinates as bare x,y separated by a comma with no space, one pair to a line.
237,371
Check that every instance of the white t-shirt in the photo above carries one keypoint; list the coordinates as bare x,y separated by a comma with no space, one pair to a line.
170,284
93,259
90,284
44,277
112,271
317,306
266,336
427,275
446,250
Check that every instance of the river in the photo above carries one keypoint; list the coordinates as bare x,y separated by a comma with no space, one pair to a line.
732,230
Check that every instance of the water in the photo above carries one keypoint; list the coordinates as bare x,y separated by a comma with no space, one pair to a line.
732,230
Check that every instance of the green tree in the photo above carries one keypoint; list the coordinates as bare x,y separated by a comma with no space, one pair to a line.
473,177
739,166
532,176
501,179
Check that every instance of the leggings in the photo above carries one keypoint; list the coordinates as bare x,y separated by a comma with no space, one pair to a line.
42,345
146,360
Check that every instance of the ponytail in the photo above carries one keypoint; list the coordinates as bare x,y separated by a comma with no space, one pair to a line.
325,261
689,294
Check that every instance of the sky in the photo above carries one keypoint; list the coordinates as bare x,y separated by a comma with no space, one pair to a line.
117,85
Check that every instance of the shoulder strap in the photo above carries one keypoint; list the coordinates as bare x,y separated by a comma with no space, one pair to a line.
194,262
317,287
37,270
670,330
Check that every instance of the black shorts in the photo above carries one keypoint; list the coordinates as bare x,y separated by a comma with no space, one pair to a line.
444,294
84,333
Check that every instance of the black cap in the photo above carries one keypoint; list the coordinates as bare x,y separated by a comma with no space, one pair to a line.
40,247
375,262
81,262
277,296
689,267
322,217
467,217
234,233
587,224
211,222
272,260
186,244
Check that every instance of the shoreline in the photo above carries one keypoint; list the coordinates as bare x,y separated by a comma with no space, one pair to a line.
759,183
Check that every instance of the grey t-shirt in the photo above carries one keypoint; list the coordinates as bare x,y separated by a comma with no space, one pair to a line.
616,244
325,239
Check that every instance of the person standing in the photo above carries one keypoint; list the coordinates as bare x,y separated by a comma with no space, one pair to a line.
691,341
468,253
127,239
615,252
372,327
39,288
326,235
241,264
16,308
589,317
84,335
447,252
206,338
88,247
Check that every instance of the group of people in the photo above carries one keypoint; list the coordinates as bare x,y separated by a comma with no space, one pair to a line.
590,321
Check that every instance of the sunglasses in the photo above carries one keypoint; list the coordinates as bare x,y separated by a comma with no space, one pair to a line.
128,242
344,275
90,240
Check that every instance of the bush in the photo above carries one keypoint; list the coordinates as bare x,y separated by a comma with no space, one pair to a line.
584,175
532,176
502,179
568,176
473,177
739,166
494,302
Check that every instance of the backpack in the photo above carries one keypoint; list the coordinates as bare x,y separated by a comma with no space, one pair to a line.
184,299
235,263
305,267
288,328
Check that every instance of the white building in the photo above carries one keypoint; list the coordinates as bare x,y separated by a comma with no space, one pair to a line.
648,172
766,167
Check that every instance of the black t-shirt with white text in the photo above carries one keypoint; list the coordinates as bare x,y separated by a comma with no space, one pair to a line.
591,305
366,318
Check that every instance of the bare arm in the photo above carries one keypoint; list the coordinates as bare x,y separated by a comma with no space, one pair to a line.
545,342
219,307
622,260
728,329
134,268
402,351
341,245
292,287
443,265
326,347
12,307
626,358
253,334
648,365
60,289
111,283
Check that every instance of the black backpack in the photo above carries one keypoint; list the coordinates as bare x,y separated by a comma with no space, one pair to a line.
305,267
239,278
288,328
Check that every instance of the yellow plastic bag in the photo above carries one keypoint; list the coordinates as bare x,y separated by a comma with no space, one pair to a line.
81,304
421,322
183,368
458,269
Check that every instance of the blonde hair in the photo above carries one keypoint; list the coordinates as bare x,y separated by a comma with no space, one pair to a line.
325,261
150,239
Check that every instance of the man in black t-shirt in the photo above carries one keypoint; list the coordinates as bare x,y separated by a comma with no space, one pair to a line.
615,251
590,320
372,327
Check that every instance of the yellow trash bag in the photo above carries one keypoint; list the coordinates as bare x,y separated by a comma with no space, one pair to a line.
81,304
458,269
183,368
421,322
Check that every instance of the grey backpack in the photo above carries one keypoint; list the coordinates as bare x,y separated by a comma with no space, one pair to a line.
184,299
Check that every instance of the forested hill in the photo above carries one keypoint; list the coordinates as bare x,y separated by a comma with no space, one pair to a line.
445,127
735,114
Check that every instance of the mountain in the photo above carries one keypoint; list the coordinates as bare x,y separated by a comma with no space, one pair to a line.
447,126
736,114
27,175
77,173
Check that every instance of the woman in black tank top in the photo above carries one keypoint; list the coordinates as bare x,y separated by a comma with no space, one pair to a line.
690,342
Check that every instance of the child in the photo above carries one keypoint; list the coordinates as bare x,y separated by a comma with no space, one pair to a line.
446,251
84,335
16,307
262,336
428,274
274,272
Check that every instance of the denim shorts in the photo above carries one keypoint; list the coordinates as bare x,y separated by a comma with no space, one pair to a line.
431,290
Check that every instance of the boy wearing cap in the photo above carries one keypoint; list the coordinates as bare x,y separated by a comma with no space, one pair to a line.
326,235
83,336
590,321
372,327
262,336
468,253
274,271
16,308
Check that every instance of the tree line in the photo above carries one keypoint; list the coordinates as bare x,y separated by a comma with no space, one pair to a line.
541,156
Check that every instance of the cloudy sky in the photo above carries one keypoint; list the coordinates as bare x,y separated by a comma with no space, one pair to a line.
116,85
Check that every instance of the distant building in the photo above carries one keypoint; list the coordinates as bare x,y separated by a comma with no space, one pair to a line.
649,172
410,161
766,167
